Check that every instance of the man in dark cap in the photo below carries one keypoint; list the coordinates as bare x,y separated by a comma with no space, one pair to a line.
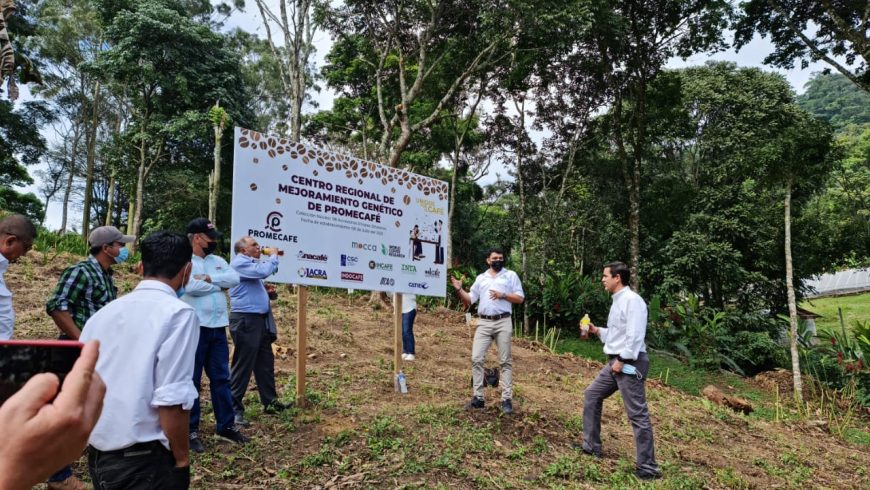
16,239
210,277
81,291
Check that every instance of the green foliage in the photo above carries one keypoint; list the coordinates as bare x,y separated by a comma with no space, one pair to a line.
565,297
834,98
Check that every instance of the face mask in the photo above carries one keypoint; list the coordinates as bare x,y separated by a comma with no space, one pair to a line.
210,248
496,265
122,256
179,292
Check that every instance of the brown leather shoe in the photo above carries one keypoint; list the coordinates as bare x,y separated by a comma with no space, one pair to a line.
71,483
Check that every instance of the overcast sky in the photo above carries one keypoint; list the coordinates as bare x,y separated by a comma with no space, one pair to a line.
751,56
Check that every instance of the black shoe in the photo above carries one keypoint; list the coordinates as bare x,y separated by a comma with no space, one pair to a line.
647,475
474,403
232,434
579,445
507,407
241,421
195,443
276,407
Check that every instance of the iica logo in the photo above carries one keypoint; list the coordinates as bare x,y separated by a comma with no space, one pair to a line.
352,276
364,246
388,281
418,285
380,266
433,272
348,260
311,273
273,221
409,269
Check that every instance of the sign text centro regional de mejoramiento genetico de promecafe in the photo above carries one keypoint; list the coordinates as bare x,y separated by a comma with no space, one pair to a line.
342,222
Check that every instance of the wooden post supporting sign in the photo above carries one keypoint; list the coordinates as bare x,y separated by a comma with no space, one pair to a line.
397,322
301,344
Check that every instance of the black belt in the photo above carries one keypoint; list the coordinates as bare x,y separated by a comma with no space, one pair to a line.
238,314
494,317
137,449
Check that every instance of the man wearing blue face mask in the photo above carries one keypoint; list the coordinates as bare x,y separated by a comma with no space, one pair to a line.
210,277
82,290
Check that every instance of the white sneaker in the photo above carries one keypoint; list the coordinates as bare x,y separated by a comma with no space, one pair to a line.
409,357
404,356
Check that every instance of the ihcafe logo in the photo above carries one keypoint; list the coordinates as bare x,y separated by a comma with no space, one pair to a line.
352,276
432,273
388,281
273,221
349,260
364,246
409,269
392,251
311,273
380,266
312,257
418,285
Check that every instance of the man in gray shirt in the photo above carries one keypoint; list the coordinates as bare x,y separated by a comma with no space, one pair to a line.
625,370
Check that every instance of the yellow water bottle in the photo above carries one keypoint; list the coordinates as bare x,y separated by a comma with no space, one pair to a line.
584,326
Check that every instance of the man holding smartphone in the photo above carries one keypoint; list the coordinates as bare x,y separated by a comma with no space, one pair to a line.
16,239
148,342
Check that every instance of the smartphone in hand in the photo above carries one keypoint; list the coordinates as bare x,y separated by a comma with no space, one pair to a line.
20,360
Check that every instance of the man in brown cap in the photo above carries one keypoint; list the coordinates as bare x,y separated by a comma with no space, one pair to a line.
81,291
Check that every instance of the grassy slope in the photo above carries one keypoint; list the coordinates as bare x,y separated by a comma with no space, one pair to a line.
855,308
357,433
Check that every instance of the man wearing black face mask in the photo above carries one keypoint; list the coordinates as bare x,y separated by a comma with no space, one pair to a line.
497,289
210,277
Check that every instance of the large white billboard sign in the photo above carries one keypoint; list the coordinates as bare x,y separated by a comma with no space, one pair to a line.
342,222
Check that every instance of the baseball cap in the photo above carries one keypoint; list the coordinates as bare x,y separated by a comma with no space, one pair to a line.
203,225
105,235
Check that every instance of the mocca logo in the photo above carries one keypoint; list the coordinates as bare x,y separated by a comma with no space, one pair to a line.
348,260
364,246
418,285
380,266
409,269
432,273
273,221
388,281
352,276
392,251
311,273
312,257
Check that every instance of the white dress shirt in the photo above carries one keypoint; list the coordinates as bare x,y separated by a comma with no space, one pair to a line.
148,343
7,314
208,298
409,303
626,326
506,281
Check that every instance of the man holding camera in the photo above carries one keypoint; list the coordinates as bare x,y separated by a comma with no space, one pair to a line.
252,327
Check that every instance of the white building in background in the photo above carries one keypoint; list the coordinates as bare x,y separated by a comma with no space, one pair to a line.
849,281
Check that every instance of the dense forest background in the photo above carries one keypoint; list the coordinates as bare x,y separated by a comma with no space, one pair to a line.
696,177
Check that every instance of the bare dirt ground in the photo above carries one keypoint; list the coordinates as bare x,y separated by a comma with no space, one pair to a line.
357,433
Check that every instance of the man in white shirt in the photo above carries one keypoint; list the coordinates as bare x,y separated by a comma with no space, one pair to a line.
147,346
16,239
498,289
625,371
206,292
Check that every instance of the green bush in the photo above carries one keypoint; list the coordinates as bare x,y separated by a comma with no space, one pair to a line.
564,297
755,352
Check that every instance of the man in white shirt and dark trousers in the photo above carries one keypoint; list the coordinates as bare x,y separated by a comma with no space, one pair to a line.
253,328
626,371
211,276
498,289
147,345
16,239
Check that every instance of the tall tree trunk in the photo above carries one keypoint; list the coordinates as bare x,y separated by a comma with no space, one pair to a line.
89,173
521,114
131,214
111,197
219,119
792,303
73,155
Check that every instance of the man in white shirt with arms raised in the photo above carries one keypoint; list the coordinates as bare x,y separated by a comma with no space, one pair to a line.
148,341
625,370
498,289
